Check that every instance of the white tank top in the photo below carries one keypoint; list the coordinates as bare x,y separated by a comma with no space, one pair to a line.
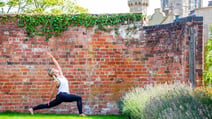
63,87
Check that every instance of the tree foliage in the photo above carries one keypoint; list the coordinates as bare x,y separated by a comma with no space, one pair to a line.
208,62
41,6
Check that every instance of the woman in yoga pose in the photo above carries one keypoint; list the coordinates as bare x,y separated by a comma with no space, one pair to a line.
63,95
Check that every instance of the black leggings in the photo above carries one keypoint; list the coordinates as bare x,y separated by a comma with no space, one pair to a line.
62,97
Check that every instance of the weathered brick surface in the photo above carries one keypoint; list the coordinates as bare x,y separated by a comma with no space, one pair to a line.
100,66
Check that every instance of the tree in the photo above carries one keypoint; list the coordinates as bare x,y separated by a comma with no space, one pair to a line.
207,75
41,6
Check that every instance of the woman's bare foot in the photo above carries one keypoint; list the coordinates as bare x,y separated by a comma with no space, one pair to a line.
31,111
83,115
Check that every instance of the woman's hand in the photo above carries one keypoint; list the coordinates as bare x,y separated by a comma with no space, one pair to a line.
49,54
55,62
48,103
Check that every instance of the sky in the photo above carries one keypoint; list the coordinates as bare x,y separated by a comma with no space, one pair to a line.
117,6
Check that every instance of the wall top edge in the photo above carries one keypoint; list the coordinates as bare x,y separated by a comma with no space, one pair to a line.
176,22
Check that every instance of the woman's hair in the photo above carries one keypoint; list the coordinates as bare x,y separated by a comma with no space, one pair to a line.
50,72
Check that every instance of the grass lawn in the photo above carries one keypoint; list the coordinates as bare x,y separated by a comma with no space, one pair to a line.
13,115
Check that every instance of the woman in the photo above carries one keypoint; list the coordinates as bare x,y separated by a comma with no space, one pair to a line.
63,95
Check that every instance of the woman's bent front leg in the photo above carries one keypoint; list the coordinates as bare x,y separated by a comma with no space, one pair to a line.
53,103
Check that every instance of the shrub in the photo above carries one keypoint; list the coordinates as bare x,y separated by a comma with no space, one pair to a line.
180,103
207,90
135,100
176,101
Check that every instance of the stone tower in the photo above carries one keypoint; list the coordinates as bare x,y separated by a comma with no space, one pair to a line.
138,6
180,7
210,3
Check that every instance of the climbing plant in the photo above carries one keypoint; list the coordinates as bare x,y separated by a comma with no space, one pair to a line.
207,76
53,25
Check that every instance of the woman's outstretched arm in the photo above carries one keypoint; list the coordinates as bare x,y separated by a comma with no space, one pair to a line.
55,62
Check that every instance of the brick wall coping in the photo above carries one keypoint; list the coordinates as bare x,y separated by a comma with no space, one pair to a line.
175,23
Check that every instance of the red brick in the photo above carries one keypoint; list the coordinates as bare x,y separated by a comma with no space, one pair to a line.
92,67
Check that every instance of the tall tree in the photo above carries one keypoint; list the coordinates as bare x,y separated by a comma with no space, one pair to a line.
41,6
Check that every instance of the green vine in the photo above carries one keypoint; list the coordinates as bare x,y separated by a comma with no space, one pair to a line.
53,25
4,19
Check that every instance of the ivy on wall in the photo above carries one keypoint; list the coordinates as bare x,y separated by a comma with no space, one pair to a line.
53,25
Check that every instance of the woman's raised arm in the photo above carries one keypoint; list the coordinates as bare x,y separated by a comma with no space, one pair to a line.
55,62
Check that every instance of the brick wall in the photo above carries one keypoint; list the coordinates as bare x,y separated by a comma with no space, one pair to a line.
100,66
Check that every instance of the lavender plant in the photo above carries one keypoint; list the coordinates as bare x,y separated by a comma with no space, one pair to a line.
176,101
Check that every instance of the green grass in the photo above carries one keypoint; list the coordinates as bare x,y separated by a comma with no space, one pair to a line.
16,115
